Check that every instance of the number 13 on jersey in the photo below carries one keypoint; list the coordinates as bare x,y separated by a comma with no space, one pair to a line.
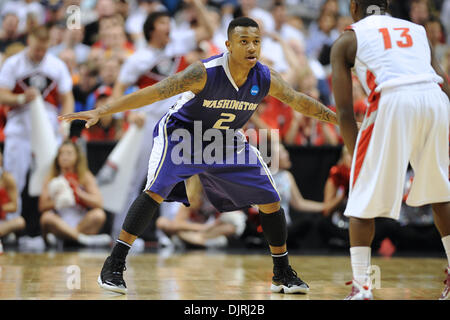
406,39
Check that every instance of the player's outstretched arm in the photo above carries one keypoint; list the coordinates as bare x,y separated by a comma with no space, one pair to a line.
300,102
193,78
343,55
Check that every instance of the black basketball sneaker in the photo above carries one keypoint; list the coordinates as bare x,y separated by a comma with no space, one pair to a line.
111,276
285,280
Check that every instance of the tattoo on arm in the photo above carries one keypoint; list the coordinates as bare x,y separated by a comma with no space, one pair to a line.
300,102
191,79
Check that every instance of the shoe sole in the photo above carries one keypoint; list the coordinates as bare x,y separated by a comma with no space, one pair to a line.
111,288
284,289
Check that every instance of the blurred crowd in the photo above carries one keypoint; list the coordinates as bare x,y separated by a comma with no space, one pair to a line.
93,49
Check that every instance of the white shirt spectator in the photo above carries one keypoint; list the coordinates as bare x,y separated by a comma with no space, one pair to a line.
22,8
51,77
273,51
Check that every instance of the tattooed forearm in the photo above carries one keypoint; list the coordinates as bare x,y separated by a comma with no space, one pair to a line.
314,109
192,79
188,80
300,102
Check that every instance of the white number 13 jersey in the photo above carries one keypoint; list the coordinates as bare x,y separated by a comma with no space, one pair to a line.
391,52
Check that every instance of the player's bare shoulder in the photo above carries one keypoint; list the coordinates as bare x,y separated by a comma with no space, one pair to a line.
193,78
345,47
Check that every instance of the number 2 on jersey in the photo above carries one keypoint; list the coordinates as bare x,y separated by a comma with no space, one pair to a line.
226,117
407,39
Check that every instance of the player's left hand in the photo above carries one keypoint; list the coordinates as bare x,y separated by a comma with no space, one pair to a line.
91,117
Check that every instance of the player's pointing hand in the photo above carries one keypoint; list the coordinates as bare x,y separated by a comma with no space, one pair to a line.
91,117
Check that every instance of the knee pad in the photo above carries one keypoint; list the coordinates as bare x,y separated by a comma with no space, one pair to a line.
140,214
274,227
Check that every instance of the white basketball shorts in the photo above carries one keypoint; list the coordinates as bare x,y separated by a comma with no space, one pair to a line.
408,124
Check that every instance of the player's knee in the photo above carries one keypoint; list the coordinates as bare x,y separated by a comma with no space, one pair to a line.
140,214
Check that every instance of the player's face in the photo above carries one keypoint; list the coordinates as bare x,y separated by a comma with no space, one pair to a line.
67,157
245,45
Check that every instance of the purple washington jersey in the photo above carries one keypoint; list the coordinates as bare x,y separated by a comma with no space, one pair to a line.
231,184
221,104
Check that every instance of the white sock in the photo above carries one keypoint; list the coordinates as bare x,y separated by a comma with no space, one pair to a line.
446,243
360,258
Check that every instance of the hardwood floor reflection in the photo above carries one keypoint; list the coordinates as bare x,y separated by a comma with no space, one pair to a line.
202,275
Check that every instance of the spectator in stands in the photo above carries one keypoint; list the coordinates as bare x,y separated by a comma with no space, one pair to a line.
272,53
8,203
122,8
71,202
26,11
23,77
445,18
419,11
307,131
250,8
446,62
72,40
321,34
135,21
88,82
112,38
287,185
330,7
109,128
56,34
333,228
282,27
435,33
68,56
109,71
103,9
9,32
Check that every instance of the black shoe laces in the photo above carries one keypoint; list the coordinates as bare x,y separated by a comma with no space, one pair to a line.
291,275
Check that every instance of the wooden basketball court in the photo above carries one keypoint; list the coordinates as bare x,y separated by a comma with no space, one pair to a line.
203,275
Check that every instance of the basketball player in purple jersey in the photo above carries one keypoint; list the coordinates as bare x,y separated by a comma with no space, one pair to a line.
221,93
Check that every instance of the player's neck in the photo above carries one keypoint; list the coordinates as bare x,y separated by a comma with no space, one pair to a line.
238,72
